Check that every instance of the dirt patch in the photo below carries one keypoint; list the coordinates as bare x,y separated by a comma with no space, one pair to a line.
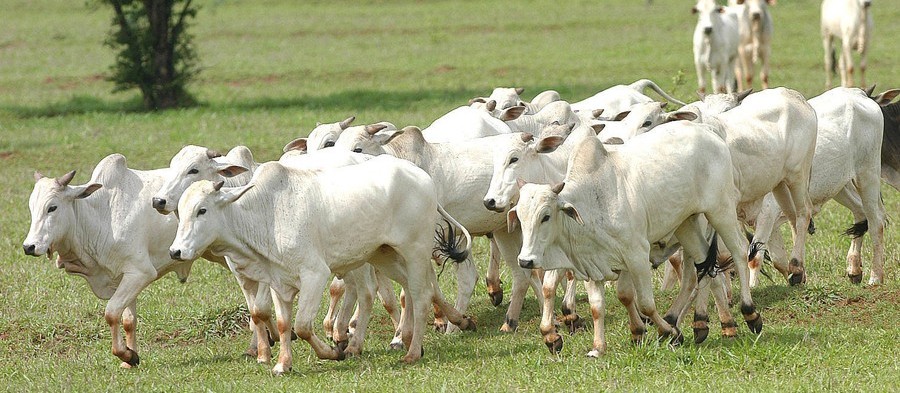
443,69
5,155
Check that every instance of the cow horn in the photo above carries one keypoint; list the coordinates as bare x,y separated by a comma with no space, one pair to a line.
212,154
346,123
64,180
38,176
596,113
520,90
526,137
870,90
218,185
373,129
744,94
519,182
558,187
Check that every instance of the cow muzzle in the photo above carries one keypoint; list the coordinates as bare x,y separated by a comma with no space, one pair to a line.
707,30
491,204
30,249
175,254
526,263
159,204
756,16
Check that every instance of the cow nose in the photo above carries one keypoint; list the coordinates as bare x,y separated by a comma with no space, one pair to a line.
29,249
490,203
526,263
756,16
159,203
707,30
175,254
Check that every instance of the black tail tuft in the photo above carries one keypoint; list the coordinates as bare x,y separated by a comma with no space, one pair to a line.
449,245
811,229
833,62
858,230
749,235
708,266
755,248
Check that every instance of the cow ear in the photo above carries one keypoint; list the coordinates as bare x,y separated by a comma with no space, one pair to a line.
229,195
621,116
598,128
229,170
596,113
490,105
212,154
512,219
520,183
298,144
81,192
886,97
693,10
680,115
512,113
663,105
570,211
548,144
771,2
721,10
346,122
614,141
520,90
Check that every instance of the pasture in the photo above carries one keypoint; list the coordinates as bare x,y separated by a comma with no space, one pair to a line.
272,69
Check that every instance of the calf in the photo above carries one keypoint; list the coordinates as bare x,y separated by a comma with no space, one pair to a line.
850,21
293,228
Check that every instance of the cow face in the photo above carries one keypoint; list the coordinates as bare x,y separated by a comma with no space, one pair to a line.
191,164
708,14
326,135
506,97
541,213
52,205
200,218
514,158
756,8
368,139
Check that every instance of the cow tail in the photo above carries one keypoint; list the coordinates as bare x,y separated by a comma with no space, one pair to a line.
448,244
708,266
643,84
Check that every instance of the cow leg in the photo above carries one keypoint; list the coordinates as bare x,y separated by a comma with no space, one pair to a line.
870,190
335,293
765,224
828,44
784,194
846,63
765,52
126,294
129,325
725,222
403,333
492,277
625,294
641,276
509,244
466,278
694,248
365,294
341,327
701,81
672,271
283,320
743,70
570,317
249,289
595,290
309,295
849,198
260,314
552,339
453,315
388,298
719,287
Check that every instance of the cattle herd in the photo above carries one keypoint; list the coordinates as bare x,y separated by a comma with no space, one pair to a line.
601,190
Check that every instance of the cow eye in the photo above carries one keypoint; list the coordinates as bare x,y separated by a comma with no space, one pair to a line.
546,218
51,209
193,171
647,123
513,160
201,211
329,144
357,150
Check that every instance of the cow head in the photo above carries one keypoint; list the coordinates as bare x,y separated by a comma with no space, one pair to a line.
52,205
191,164
506,97
708,13
369,139
325,135
542,213
201,218
756,8
714,104
514,158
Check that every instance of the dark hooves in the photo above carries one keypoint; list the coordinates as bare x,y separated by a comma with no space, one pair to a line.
470,324
855,278
134,360
555,346
496,298
575,324
700,335
755,325
646,320
676,337
797,279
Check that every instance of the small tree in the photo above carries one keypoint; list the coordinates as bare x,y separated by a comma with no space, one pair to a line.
155,51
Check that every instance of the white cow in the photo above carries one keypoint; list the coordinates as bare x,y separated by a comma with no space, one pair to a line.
620,97
466,123
850,21
715,45
321,137
756,27
106,232
845,167
461,172
772,137
615,204
507,97
293,228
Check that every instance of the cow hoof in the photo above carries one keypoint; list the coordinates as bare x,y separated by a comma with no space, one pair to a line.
755,325
555,346
729,329
509,326
279,370
409,359
396,344
440,327
855,278
342,345
575,324
340,353
469,325
251,353
133,359
594,353
646,320
700,335
496,298
676,337
797,279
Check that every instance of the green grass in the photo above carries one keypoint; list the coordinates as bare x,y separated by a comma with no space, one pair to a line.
274,68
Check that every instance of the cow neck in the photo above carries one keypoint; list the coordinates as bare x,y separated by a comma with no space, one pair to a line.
890,148
78,246
526,123
588,246
411,146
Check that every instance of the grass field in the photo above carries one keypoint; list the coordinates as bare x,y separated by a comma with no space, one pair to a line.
272,69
